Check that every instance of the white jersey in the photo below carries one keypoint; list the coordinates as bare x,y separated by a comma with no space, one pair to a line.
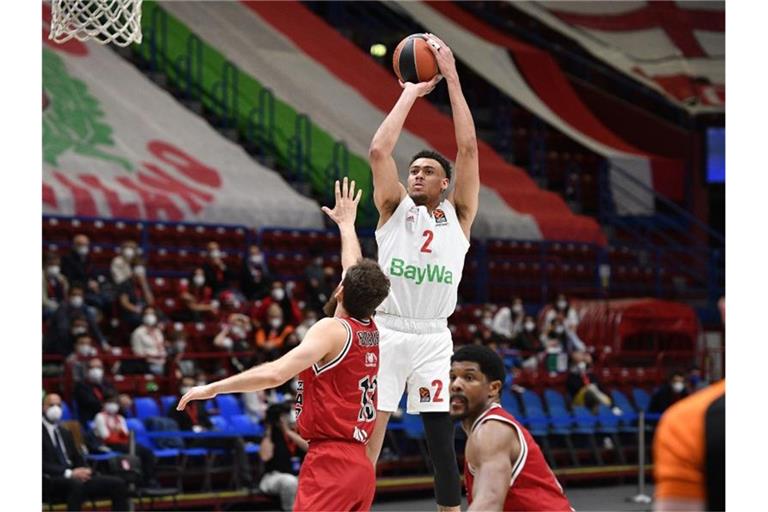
423,255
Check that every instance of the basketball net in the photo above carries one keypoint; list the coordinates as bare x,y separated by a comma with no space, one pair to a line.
103,21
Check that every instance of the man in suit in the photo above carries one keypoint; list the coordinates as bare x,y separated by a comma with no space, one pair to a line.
68,477
90,393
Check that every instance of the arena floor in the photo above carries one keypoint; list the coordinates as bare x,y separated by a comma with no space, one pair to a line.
583,499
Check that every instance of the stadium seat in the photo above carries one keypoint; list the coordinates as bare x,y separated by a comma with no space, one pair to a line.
66,413
146,407
219,423
228,405
166,402
243,423
628,417
641,398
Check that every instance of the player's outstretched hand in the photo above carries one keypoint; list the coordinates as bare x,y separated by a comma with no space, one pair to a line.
196,393
345,210
446,62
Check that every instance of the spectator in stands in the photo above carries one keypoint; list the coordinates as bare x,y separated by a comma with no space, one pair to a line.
61,340
231,300
90,392
583,385
310,318
77,361
255,405
255,280
315,269
55,285
76,265
508,322
147,341
65,473
122,264
271,337
214,268
279,446
317,293
196,419
110,428
235,337
197,298
561,306
281,297
694,379
133,295
176,349
673,390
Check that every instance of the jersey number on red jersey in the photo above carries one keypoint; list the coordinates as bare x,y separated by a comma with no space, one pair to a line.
367,408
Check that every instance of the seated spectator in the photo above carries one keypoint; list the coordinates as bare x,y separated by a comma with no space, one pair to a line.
563,307
176,349
279,448
255,405
77,361
281,297
133,295
90,392
508,322
110,428
235,337
583,385
66,475
196,419
197,298
310,318
231,300
55,285
60,340
315,270
673,390
148,341
122,264
255,280
271,337
217,274
694,380
76,264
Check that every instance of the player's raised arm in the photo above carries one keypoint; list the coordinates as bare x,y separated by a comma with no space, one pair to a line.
387,189
495,446
325,337
466,191
344,214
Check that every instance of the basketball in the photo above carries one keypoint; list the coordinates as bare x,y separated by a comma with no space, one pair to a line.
413,61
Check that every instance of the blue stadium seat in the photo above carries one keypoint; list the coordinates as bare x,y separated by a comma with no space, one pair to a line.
510,404
243,423
559,417
168,401
641,398
220,423
628,418
146,407
66,412
554,399
228,405
586,422
531,401
140,431
608,422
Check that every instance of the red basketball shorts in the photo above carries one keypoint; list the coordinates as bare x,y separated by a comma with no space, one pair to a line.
335,475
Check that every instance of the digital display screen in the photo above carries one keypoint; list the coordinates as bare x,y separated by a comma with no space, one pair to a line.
716,155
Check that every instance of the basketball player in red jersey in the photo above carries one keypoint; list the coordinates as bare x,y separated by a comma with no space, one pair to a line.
337,364
504,468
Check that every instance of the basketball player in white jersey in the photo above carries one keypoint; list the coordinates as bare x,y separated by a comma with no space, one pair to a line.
423,236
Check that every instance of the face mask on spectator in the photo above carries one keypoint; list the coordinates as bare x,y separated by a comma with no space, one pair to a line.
318,261
275,322
96,374
179,347
561,304
76,301
257,259
85,350
238,331
278,294
529,326
183,390
678,387
150,319
199,280
77,331
227,343
82,250
53,413
111,408
215,254
129,253
53,270
310,320
559,329
517,308
139,270
582,365
488,322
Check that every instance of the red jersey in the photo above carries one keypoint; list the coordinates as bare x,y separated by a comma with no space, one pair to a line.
337,400
533,485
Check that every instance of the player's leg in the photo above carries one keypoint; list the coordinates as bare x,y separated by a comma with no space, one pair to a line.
428,394
394,367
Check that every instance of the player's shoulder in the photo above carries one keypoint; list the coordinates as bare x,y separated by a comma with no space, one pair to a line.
495,433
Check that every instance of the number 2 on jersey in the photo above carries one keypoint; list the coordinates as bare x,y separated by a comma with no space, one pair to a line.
430,235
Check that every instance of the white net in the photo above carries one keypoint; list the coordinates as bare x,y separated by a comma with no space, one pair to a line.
104,21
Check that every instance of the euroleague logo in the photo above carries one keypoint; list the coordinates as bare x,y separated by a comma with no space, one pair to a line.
371,361
440,218
424,395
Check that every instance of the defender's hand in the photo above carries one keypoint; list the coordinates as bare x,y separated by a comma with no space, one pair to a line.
196,393
345,210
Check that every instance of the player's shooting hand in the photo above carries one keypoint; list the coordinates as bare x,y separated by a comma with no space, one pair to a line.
421,88
345,210
196,393
446,62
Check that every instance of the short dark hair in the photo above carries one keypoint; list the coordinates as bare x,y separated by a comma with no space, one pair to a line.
487,359
434,155
365,287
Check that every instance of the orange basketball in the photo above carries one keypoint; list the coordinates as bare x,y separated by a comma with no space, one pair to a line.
413,61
